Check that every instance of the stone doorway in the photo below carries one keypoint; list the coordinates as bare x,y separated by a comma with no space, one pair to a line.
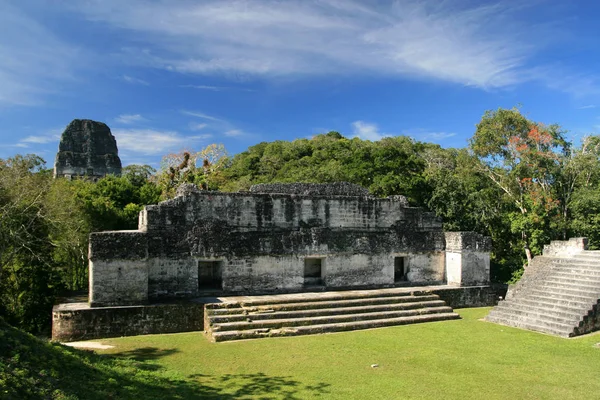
400,270
209,275
313,272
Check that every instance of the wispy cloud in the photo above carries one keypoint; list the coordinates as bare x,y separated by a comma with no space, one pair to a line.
135,81
196,126
33,61
216,88
428,135
233,133
367,131
200,115
129,118
50,136
153,142
41,139
216,124
201,137
476,45
587,107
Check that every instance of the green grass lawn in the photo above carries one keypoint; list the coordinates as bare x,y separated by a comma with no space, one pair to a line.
461,359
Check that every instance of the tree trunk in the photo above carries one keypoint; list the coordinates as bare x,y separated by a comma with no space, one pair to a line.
527,249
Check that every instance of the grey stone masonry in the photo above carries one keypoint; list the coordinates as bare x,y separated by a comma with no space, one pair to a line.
310,313
87,148
277,239
558,293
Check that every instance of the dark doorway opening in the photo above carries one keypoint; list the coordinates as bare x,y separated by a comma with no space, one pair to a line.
400,269
313,272
209,275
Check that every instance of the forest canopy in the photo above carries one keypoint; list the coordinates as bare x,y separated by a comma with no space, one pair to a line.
519,181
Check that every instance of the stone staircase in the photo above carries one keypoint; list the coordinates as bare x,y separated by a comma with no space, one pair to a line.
558,294
310,313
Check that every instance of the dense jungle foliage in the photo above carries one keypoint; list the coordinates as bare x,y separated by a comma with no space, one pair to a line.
519,181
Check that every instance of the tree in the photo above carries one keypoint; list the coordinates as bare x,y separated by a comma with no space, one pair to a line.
523,159
28,282
203,169
22,189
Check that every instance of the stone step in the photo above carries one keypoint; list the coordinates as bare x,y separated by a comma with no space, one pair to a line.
566,297
551,303
578,276
588,292
529,325
307,305
326,319
335,327
540,313
243,314
572,284
323,297
588,263
576,271
519,318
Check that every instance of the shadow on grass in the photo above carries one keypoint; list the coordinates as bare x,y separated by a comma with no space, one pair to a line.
33,369
146,353
256,386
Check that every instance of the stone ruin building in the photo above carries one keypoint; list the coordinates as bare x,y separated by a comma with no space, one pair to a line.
280,238
87,149
276,238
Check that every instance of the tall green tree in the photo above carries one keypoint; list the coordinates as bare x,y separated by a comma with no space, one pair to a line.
523,159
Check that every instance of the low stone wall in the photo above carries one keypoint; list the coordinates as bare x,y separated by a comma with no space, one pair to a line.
468,297
78,321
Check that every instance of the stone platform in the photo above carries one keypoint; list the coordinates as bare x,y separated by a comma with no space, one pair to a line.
345,309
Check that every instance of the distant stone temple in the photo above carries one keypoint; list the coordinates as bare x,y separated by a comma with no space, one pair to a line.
280,238
87,149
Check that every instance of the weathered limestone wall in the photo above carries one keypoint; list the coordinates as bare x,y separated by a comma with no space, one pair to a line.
565,248
250,212
77,321
260,242
467,258
118,268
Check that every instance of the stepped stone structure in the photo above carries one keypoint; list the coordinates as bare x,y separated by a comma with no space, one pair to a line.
308,239
559,292
87,149
250,317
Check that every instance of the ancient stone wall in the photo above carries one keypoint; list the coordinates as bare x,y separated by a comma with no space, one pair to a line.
266,242
77,321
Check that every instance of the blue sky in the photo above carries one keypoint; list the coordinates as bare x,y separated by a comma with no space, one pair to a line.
182,74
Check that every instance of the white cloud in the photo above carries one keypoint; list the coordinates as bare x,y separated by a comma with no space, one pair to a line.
201,137
129,118
50,136
233,133
427,135
205,87
33,61
200,115
41,139
483,46
136,81
367,131
587,107
216,88
196,126
215,124
152,142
